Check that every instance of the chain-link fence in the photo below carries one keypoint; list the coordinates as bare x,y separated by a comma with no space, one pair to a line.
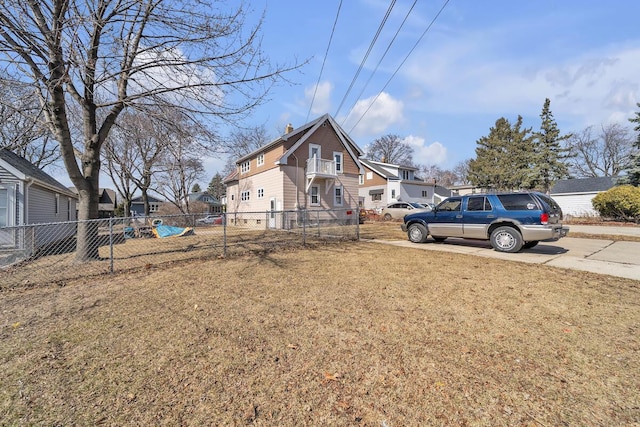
38,254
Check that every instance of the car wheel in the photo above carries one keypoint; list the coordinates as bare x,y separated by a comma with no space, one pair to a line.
439,239
417,233
506,239
387,217
529,245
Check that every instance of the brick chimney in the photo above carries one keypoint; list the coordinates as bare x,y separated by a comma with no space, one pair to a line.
288,128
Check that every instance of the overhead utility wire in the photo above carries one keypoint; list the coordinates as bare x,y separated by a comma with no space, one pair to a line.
324,61
380,61
373,42
401,64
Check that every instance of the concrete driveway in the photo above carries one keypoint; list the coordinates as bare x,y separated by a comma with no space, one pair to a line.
610,257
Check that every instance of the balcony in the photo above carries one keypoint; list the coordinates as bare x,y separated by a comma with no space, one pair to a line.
320,169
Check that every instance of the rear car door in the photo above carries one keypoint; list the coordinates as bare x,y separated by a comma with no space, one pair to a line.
478,213
447,219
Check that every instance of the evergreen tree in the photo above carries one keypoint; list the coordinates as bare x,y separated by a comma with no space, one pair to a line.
196,188
503,158
548,163
216,186
633,170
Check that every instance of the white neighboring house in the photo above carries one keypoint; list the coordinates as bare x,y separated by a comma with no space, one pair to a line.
574,195
28,195
385,183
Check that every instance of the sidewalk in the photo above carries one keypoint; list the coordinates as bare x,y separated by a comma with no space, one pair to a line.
605,229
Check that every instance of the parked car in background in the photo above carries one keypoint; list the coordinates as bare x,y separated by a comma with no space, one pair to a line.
399,209
511,221
210,219
428,205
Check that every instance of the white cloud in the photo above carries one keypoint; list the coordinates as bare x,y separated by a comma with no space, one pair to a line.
322,99
432,154
374,119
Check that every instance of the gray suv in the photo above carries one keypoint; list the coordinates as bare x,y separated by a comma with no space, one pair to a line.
511,221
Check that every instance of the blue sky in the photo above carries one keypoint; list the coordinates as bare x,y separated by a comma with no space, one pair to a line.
481,60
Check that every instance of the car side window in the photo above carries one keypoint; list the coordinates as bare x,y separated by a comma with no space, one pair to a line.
479,203
450,205
518,202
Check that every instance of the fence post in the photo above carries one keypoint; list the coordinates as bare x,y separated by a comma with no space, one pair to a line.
224,235
318,222
111,244
304,227
358,224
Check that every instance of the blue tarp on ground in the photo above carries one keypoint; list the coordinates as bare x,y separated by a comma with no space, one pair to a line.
169,231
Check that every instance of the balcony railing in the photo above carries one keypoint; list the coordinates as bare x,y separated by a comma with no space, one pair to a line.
323,167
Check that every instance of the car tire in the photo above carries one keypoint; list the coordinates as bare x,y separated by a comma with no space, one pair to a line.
417,233
506,239
387,217
529,245
439,239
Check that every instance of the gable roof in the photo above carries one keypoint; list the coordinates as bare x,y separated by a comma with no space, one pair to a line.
24,170
138,200
233,176
198,196
378,170
307,130
583,185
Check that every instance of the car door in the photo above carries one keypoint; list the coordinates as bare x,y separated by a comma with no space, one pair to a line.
447,219
477,214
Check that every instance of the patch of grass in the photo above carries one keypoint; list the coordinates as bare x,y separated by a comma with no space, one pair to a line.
335,334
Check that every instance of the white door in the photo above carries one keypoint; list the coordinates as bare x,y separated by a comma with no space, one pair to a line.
272,212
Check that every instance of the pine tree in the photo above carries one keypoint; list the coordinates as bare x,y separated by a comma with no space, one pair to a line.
633,170
196,188
216,186
548,161
502,158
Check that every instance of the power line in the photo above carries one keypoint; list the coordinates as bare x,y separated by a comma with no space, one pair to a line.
401,64
373,42
381,59
324,61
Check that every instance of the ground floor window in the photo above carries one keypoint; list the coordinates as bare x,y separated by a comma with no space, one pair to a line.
244,196
337,196
4,207
314,195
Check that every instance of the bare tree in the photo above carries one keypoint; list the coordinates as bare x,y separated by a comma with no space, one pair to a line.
391,149
461,171
23,130
181,167
102,56
600,154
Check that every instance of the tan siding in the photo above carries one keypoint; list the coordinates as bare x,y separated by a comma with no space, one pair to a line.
270,181
376,180
293,192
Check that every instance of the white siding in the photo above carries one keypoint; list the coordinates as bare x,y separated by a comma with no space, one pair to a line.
577,205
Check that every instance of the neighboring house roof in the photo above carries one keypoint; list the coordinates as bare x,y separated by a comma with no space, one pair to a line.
442,191
25,170
583,185
375,167
307,130
151,199
199,196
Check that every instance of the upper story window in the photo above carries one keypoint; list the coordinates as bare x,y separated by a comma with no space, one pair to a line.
314,151
260,193
337,157
260,159
57,204
245,166
405,174
369,175
360,179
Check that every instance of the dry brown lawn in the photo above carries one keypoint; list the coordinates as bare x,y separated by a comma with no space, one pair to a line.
349,333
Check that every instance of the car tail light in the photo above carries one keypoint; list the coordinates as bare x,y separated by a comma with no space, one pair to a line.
544,218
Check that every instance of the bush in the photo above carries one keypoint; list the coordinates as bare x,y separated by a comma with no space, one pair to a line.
619,203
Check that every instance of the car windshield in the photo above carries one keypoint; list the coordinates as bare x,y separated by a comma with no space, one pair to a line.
417,205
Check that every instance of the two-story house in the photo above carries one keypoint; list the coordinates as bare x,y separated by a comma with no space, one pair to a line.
313,167
385,183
